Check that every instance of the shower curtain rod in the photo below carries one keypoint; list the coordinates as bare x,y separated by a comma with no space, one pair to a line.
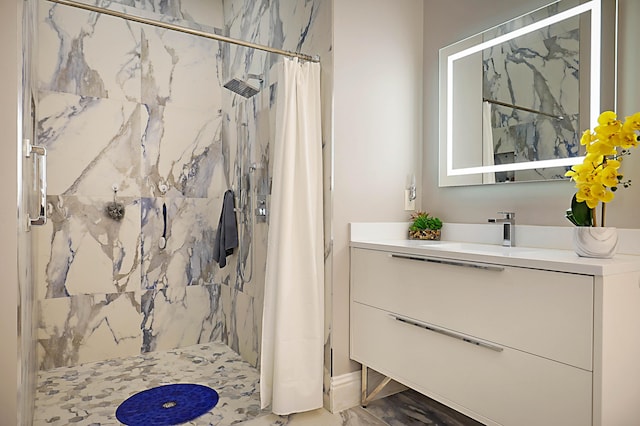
185,30
504,104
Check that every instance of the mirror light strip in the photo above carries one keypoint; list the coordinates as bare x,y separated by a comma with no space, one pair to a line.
585,7
596,57
542,164
595,7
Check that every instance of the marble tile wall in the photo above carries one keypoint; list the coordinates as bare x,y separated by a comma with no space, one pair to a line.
126,104
120,103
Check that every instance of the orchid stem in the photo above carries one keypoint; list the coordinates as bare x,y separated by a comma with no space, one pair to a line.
594,217
603,212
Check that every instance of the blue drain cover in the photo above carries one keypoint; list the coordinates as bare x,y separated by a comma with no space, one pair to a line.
167,405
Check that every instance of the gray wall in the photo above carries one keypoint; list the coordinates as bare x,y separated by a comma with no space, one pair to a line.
377,130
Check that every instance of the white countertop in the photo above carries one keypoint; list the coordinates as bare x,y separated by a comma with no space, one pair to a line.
561,260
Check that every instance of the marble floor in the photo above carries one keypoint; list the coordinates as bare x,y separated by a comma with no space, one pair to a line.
89,394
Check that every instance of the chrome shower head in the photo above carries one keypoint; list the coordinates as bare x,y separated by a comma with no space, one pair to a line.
241,88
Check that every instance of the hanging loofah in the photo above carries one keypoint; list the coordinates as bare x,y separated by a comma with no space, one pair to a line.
115,210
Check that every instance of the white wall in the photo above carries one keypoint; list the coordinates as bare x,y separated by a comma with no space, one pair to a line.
447,21
377,129
9,74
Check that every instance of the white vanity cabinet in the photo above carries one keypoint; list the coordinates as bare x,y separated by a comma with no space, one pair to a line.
504,344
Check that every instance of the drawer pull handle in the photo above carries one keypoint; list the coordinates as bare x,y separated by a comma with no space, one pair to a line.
446,332
451,262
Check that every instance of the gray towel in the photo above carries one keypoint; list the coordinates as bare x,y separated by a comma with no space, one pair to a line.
227,233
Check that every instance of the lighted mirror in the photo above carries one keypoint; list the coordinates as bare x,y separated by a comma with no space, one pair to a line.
515,99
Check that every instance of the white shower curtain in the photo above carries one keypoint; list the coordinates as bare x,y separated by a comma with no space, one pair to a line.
291,368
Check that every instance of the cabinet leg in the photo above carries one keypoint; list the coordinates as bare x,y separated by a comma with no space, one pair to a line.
363,397
366,399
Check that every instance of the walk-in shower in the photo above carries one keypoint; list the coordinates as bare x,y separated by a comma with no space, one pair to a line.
129,102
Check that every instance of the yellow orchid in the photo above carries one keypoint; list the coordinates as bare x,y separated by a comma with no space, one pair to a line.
606,117
608,123
580,172
600,193
627,140
609,177
593,159
587,137
632,123
598,177
601,147
584,194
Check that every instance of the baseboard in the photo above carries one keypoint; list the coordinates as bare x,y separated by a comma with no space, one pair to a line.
345,391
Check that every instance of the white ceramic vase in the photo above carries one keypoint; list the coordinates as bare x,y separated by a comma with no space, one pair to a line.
599,242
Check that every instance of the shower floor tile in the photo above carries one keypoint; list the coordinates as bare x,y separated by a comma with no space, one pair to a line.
89,394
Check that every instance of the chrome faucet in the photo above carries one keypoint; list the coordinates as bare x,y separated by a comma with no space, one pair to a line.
508,228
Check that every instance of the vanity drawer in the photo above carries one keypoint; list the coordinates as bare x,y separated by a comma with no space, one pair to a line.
509,387
541,312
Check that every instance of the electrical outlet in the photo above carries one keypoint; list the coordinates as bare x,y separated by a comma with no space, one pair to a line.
408,203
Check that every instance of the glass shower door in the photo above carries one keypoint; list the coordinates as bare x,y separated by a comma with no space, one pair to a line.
31,212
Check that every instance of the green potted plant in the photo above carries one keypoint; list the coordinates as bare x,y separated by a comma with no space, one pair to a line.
424,227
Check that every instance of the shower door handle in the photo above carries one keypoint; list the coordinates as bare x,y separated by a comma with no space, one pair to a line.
40,181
